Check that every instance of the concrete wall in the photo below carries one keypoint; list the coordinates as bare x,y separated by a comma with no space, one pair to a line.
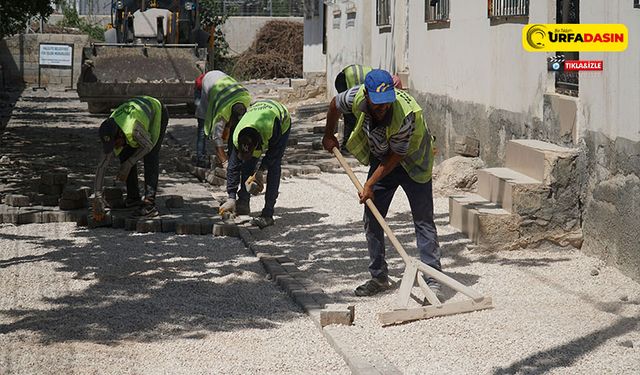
240,32
314,59
19,56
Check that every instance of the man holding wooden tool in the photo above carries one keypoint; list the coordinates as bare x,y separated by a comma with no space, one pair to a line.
392,137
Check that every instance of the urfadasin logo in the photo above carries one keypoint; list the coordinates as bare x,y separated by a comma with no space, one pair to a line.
536,36
575,37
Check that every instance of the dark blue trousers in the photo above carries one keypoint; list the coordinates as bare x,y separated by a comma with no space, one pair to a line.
421,202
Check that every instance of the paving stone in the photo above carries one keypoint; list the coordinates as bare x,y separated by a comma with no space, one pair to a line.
106,222
341,314
149,225
188,227
47,200
75,194
30,217
54,216
16,200
112,193
130,224
10,216
292,141
81,218
116,203
285,173
200,173
68,204
318,129
57,178
230,230
118,221
215,180
50,189
221,172
168,225
317,144
206,225
295,170
174,201
309,169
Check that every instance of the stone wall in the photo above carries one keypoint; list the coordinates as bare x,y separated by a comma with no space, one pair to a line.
19,58
611,198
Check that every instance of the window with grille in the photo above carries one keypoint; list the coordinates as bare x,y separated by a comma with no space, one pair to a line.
383,10
508,8
436,10
636,3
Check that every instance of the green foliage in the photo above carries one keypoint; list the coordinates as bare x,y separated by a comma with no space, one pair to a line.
14,15
72,19
212,13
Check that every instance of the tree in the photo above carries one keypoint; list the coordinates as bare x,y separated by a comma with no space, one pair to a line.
14,15
212,15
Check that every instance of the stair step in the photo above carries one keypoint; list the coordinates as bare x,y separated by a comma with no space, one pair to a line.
466,211
497,185
534,158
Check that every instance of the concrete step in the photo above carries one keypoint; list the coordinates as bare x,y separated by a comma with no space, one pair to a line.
469,213
497,185
534,158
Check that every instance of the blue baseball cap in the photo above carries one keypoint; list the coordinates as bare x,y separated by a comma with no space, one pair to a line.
379,85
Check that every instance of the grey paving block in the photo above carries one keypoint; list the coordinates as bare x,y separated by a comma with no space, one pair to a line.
214,180
16,200
221,172
285,173
56,178
188,227
292,141
309,169
54,216
341,314
200,173
116,203
317,144
130,224
50,189
206,225
318,129
117,221
75,194
174,201
29,217
106,222
222,229
112,193
47,200
149,225
68,204
168,225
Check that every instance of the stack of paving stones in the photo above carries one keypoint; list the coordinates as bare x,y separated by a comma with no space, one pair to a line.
50,188
18,210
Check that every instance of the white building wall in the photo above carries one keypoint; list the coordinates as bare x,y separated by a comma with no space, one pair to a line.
476,62
611,99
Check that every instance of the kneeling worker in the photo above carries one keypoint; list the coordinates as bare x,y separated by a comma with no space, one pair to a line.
264,129
134,131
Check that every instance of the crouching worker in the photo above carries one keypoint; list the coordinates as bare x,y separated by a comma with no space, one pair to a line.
134,131
264,129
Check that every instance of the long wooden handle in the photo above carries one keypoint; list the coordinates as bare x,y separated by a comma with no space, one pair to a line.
372,207
394,241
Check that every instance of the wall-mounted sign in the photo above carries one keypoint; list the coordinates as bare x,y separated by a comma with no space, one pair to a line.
59,55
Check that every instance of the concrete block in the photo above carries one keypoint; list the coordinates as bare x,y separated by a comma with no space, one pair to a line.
116,203
50,189
467,146
215,180
29,217
174,201
341,314
10,215
112,193
75,194
230,230
309,169
54,216
292,141
206,225
106,222
56,178
498,185
188,227
118,221
221,172
318,130
16,200
130,224
482,221
317,144
168,225
47,200
285,173
148,226
68,204
200,173
81,219
535,159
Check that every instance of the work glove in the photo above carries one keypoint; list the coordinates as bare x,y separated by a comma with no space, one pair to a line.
98,209
228,206
255,183
123,173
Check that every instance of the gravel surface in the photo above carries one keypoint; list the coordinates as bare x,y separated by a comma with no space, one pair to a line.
110,302
551,314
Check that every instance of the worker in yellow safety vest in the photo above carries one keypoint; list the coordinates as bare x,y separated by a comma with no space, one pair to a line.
134,131
392,137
